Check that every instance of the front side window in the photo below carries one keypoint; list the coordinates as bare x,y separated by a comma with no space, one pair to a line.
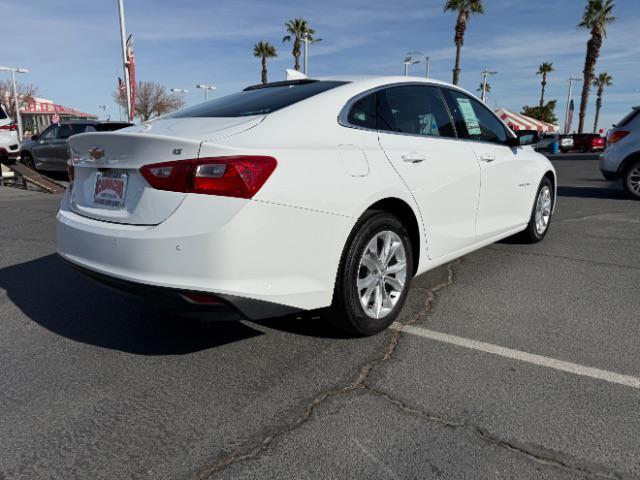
474,120
415,110
259,100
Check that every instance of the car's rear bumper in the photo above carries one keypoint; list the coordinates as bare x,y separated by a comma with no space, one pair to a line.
229,247
220,307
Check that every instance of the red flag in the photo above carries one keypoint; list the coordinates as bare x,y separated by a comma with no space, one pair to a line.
132,75
567,125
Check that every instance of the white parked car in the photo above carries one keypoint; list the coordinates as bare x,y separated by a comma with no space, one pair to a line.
301,195
9,143
621,158
564,142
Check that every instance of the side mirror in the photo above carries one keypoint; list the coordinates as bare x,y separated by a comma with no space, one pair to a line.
522,139
34,138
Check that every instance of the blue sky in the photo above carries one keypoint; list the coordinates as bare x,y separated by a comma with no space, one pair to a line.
72,46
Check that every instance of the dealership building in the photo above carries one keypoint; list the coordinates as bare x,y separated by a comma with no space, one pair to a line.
39,113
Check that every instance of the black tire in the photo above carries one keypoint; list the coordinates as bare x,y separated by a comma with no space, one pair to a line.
531,233
27,159
630,176
583,149
347,313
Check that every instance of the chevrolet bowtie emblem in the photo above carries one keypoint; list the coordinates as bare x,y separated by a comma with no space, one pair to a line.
96,153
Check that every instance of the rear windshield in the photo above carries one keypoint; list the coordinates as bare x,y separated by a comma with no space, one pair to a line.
110,127
630,116
257,101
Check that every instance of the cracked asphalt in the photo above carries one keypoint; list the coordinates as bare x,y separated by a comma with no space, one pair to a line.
97,384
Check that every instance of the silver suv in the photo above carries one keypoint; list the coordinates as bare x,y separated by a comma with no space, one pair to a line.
621,158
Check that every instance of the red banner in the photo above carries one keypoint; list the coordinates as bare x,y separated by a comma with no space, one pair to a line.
132,75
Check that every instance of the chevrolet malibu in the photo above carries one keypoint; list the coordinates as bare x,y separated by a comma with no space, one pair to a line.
301,195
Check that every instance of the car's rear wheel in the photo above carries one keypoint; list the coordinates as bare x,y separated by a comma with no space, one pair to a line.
540,219
27,159
631,179
373,277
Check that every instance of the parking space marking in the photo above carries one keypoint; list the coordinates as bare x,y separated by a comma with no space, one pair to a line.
576,369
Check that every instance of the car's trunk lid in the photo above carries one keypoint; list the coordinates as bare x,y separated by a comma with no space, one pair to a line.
108,184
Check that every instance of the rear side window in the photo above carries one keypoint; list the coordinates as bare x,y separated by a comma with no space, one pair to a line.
415,110
3,114
363,112
67,130
474,119
258,101
628,118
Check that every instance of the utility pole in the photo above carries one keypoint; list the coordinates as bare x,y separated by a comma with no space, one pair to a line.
125,60
566,114
485,74
206,89
13,71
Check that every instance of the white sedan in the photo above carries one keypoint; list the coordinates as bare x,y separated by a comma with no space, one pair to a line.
307,194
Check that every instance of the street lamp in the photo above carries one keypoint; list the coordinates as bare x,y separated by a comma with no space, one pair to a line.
427,61
206,89
306,38
407,62
104,110
13,71
485,74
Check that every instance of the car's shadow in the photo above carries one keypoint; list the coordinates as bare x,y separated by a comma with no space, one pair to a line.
58,298
593,192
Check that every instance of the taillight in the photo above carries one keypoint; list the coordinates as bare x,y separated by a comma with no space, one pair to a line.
235,176
12,127
616,136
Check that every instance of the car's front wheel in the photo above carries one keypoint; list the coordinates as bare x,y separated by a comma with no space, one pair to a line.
631,179
540,219
374,275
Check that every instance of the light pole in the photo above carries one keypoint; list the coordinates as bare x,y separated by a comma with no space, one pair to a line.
427,61
13,71
125,61
104,110
485,74
206,89
407,62
567,127
180,91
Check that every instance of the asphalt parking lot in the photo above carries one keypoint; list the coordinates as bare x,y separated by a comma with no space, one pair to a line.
516,361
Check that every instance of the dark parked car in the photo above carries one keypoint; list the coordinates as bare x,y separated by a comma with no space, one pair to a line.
49,151
588,142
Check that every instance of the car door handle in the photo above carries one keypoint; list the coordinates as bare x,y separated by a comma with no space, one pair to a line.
487,157
413,157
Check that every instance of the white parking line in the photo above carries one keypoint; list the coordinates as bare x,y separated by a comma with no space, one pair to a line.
607,376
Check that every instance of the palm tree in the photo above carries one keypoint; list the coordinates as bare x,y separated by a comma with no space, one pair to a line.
601,81
597,15
464,8
298,28
544,69
264,50
487,88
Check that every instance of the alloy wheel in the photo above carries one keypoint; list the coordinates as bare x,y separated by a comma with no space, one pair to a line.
633,180
543,210
382,274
